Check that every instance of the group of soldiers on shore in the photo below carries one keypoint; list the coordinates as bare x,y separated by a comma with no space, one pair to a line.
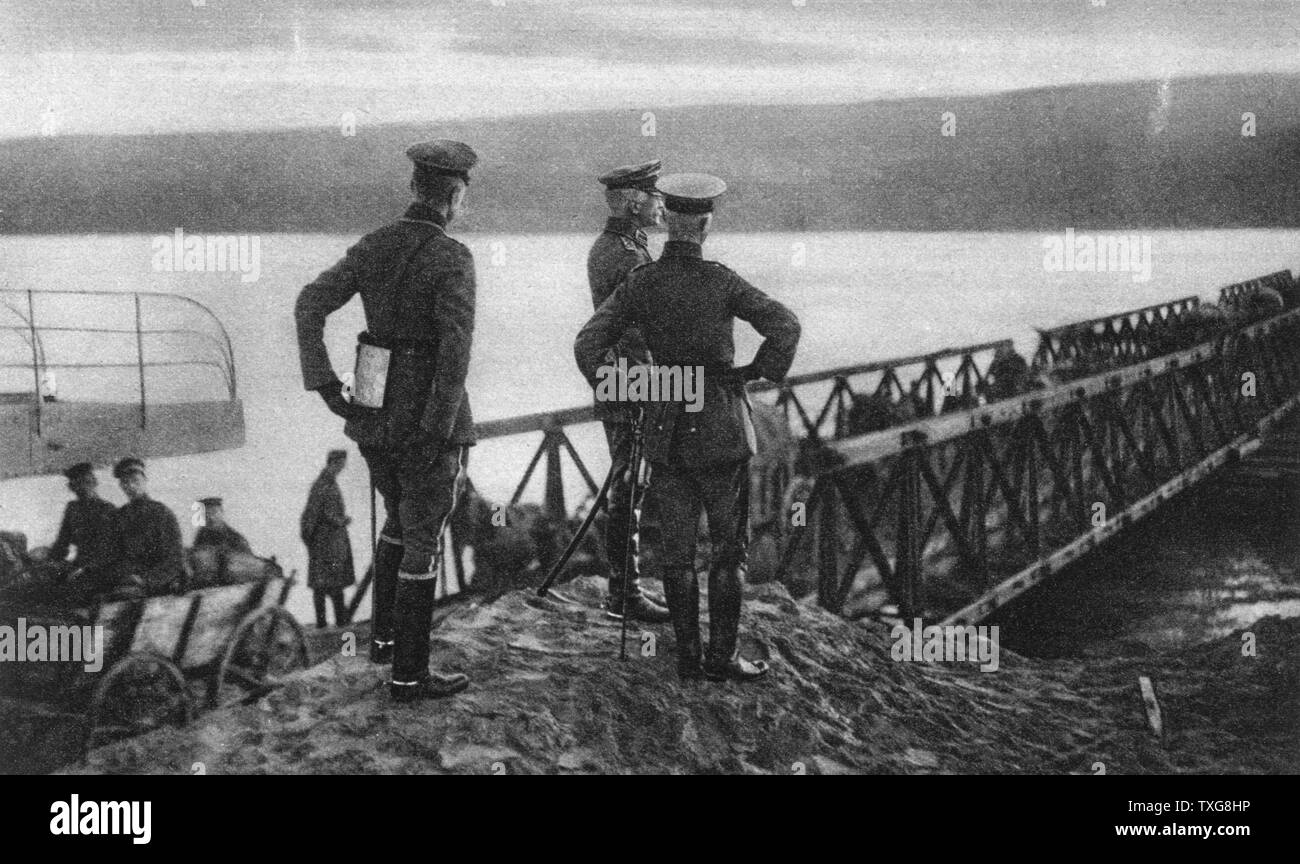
119,553
107,553
410,414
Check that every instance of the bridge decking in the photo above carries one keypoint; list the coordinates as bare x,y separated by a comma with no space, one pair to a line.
1276,458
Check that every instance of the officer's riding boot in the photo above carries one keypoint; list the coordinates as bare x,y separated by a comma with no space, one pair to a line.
412,679
624,588
388,557
724,661
651,596
625,597
683,592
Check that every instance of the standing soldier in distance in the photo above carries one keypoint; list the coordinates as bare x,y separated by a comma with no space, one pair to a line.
409,414
323,527
634,204
685,307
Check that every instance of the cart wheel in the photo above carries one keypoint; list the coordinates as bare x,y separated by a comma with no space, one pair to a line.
140,692
265,647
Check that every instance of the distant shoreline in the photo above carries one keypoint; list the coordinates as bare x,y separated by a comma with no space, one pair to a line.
1088,157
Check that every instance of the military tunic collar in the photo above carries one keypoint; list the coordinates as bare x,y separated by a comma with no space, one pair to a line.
420,212
626,228
682,249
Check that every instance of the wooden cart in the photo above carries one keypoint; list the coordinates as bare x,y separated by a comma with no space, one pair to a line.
163,658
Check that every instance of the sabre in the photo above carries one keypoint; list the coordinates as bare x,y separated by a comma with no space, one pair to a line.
629,549
596,504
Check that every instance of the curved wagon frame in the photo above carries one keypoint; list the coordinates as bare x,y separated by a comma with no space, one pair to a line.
166,657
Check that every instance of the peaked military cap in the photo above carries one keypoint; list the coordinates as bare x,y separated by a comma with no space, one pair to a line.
129,465
443,156
641,176
335,455
210,502
690,193
81,469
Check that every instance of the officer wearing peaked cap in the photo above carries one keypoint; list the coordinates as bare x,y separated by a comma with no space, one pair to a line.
685,308
443,156
409,412
634,205
691,194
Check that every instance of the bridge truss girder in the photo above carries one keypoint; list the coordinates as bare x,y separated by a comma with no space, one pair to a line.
953,516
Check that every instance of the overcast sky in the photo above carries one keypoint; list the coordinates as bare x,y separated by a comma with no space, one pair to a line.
124,66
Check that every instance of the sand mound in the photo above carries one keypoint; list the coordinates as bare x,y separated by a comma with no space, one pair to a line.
550,696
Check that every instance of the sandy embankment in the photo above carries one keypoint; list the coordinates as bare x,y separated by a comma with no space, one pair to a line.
549,696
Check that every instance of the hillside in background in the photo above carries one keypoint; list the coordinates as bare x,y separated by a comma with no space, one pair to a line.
1140,154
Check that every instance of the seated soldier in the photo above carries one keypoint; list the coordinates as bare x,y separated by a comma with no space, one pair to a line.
144,556
84,528
216,532
221,555
85,522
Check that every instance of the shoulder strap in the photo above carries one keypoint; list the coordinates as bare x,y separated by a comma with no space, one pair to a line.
401,282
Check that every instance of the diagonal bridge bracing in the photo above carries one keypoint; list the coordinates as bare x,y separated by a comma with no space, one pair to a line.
953,516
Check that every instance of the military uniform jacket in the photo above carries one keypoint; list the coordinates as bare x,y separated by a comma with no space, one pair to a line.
85,525
145,541
222,536
619,249
686,309
323,526
413,269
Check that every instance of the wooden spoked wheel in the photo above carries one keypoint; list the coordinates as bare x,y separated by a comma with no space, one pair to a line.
266,646
140,692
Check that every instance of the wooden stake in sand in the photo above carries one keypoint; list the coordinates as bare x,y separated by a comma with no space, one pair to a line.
1154,719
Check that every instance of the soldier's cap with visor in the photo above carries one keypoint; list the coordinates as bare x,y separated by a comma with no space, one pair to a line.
690,194
128,466
443,156
211,501
336,455
641,177
78,471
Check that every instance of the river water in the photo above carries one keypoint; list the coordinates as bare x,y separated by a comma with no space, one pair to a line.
861,296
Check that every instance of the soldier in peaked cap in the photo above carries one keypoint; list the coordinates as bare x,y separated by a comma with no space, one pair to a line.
323,527
685,308
409,412
143,555
634,205
85,520
86,526
216,531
